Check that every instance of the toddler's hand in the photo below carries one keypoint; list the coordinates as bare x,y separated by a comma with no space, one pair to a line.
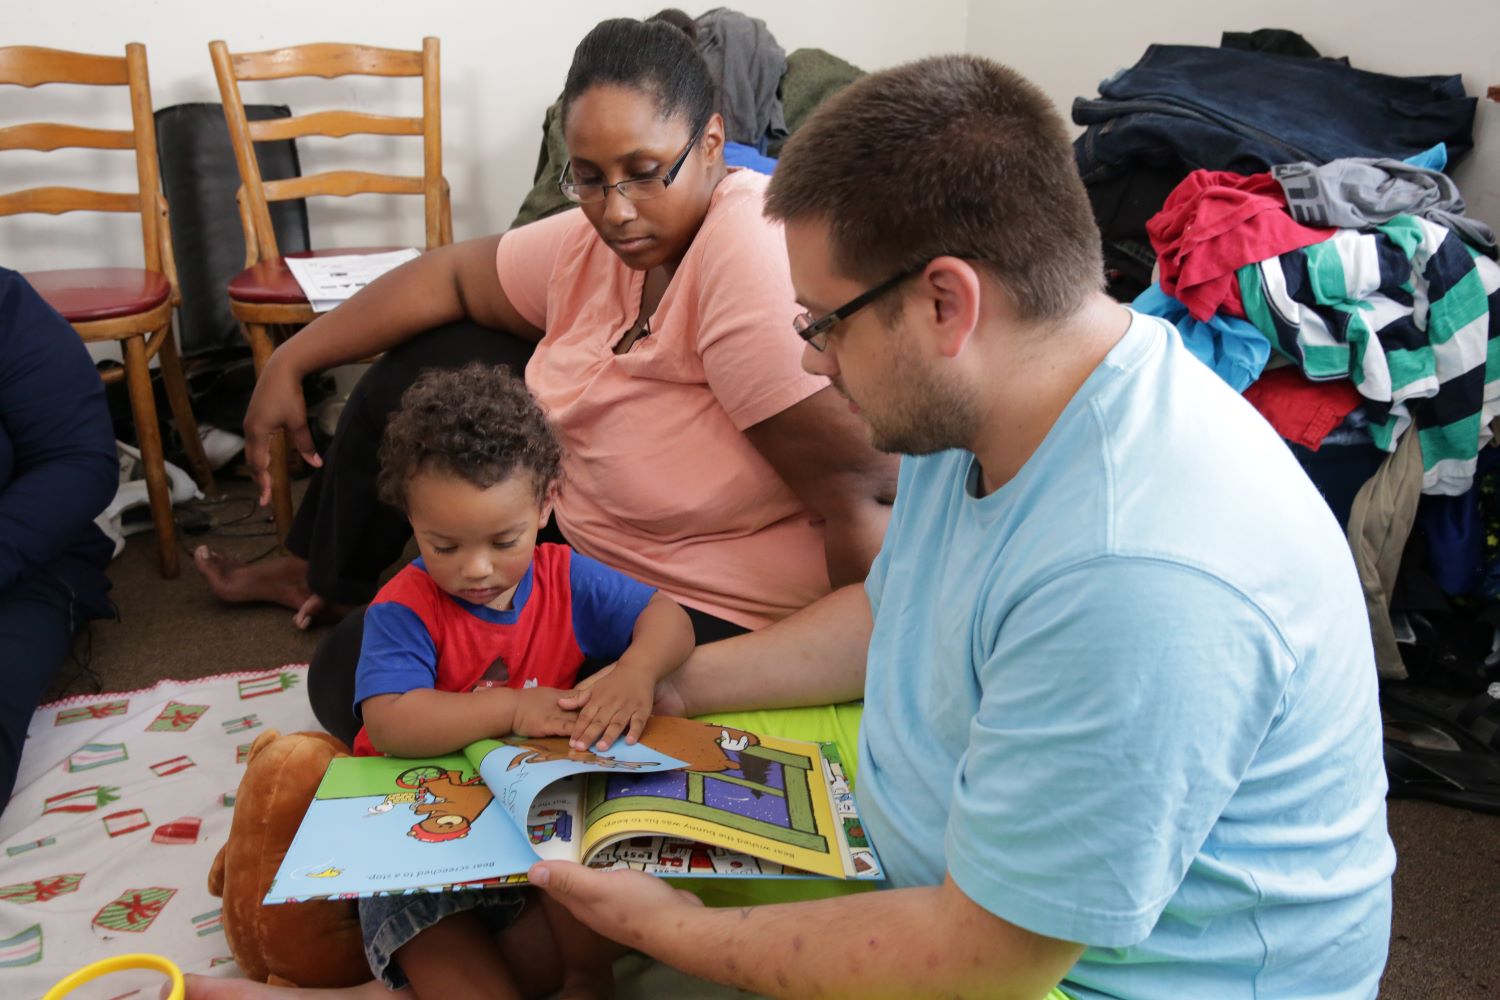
617,702
538,714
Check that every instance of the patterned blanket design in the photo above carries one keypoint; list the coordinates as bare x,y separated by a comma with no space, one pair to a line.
122,802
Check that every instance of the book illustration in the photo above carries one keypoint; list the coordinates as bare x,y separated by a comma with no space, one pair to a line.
474,806
688,799
669,856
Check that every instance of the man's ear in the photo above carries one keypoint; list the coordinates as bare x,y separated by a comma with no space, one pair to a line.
951,291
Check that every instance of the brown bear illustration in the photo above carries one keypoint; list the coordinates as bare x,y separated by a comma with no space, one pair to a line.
702,746
454,807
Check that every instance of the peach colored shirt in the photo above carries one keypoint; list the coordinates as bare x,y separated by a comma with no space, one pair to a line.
660,482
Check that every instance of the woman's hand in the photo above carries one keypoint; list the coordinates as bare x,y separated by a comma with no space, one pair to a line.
276,405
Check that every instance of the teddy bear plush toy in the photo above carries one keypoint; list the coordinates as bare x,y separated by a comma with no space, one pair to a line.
314,944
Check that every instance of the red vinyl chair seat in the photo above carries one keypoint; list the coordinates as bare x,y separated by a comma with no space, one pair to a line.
84,295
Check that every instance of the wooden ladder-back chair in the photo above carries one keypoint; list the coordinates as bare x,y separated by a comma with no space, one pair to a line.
265,297
130,305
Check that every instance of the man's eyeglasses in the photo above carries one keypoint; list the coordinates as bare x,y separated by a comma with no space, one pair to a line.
634,189
815,330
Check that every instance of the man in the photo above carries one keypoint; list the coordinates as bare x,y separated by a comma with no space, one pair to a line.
1121,730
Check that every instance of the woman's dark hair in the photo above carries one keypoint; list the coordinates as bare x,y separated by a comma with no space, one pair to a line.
478,423
658,56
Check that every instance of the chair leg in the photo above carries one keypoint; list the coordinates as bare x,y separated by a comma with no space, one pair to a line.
261,347
182,412
143,407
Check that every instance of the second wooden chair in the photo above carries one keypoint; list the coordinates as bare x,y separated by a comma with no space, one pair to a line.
265,298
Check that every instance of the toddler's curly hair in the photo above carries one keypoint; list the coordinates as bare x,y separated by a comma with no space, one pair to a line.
478,423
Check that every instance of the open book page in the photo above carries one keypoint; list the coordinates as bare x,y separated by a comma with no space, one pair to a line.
384,824
742,804
517,769
746,794
670,856
528,778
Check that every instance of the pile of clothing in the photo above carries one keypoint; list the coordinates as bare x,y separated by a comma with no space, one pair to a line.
1290,215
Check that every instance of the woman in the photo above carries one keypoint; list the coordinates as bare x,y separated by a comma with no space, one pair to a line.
654,326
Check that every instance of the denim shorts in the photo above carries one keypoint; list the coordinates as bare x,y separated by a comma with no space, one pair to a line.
389,922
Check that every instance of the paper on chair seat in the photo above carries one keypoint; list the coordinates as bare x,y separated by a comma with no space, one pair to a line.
327,281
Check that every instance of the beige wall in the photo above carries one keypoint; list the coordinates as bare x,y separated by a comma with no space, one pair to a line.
1069,46
503,63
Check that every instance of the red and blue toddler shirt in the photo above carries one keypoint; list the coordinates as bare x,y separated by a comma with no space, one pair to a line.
567,608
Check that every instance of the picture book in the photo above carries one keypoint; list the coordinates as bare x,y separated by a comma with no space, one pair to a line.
690,799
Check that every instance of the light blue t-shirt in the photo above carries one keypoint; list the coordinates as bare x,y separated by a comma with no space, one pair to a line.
1129,698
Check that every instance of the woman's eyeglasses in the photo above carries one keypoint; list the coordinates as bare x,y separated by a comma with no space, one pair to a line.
635,189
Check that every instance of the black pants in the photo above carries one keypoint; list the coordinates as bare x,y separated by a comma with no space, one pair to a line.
349,538
36,634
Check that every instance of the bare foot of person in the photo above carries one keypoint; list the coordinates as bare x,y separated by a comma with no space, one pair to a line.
212,988
282,580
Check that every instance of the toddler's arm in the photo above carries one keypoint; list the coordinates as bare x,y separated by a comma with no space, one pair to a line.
424,722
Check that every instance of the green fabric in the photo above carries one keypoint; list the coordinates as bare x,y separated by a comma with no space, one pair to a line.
545,198
812,76
836,724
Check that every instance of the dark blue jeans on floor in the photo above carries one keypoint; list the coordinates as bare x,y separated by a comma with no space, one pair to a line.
1224,109
37,623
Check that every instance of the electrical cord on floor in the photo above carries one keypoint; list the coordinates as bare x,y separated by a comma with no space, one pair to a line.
200,517
82,655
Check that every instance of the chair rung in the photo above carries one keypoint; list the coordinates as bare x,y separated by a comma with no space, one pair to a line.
335,124
30,66
56,200
341,183
326,60
47,136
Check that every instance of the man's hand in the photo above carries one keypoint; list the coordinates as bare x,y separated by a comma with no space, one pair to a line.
538,712
616,904
619,702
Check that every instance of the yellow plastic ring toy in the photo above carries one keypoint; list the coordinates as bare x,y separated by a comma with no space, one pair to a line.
120,963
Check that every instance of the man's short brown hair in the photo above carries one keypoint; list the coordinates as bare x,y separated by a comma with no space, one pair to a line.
953,155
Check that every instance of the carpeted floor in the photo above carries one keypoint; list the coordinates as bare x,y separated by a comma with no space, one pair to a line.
1445,941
